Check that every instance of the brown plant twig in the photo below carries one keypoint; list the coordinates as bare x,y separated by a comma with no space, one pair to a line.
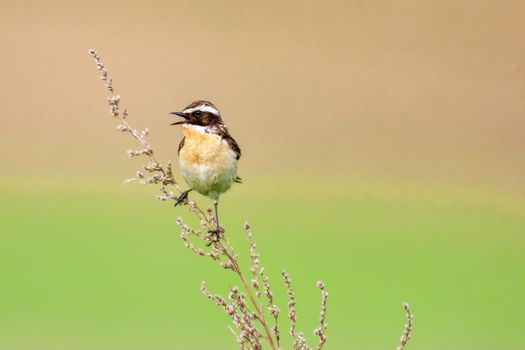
157,173
259,273
407,332
321,331
255,304
299,342
222,252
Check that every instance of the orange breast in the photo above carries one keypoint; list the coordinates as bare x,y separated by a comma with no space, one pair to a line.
206,161
202,147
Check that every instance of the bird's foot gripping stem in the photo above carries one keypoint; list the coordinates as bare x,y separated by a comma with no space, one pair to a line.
215,235
183,198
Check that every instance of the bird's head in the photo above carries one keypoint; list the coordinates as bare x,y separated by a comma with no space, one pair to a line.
202,113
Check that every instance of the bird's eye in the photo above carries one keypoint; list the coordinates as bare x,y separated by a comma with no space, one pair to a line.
197,113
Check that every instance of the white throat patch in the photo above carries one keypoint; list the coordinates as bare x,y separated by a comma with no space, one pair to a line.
199,128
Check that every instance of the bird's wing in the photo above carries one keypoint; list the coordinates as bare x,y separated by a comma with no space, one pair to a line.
181,144
222,130
233,144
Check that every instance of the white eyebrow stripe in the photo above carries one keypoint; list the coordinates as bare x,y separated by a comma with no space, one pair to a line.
203,108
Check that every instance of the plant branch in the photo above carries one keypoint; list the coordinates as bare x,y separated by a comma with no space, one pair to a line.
407,332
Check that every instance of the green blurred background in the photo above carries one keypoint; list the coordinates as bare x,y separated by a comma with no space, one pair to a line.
383,152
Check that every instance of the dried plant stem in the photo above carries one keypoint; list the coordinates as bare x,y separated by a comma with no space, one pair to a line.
299,342
321,331
161,175
259,274
260,313
405,337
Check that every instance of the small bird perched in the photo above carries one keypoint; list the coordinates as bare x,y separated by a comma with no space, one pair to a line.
208,154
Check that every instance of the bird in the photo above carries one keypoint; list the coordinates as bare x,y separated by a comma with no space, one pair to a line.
208,154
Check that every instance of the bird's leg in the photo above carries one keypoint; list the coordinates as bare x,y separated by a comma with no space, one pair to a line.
183,198
216,205
218,230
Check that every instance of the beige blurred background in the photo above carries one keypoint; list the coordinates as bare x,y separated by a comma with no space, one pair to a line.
420,91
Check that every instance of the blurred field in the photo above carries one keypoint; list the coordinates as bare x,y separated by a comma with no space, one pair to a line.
93,265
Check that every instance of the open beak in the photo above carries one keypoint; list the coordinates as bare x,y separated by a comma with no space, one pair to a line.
180,114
